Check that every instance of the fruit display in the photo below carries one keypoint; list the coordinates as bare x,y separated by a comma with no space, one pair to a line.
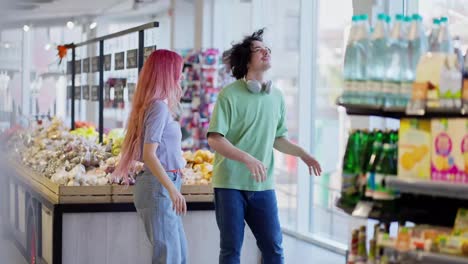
67,158
199,169
115,137
74,158
83,124
87,132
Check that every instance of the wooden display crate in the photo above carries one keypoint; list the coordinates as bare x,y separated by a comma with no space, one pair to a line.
192,193
198,192
64,194
197,189
122,193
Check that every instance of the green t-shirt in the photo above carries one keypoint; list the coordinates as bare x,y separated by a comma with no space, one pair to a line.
251,122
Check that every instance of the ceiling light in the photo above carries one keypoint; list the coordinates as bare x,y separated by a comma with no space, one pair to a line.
47,46
70,24
93,25
7,45
26,28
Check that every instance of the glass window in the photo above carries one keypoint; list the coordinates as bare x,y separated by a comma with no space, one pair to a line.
330,128
282,35
281,20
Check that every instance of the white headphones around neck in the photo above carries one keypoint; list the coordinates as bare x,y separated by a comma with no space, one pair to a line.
257,87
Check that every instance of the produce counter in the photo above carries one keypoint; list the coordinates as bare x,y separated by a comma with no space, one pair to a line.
51,223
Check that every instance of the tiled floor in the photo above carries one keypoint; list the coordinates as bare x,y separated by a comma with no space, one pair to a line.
296,251
9,254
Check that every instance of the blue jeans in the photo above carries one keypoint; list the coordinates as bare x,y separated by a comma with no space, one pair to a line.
259,210
162,225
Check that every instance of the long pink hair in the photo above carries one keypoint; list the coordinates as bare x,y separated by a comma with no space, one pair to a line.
159,79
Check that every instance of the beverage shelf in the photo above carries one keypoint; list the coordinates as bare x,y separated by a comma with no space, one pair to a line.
430,188
397,113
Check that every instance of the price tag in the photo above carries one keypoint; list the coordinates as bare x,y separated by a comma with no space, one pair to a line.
147,52
119,88
86,65
131,91
69,67
107,62
69,92
77,66
107,89
85,89
95,64
132,59
77,92
95,93
119,61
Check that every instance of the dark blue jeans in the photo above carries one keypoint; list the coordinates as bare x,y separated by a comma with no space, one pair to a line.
259,210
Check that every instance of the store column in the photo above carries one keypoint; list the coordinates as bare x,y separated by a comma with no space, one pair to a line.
26,74
183,15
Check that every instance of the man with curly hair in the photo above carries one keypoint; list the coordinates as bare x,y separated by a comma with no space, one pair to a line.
248,122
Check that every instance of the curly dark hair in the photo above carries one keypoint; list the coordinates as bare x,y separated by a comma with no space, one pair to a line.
241,52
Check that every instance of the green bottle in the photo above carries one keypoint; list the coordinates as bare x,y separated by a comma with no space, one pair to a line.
372,163
394,142
351,166
386,167
367,151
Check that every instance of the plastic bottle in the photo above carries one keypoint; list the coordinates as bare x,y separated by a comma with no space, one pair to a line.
350,62
457,49
417,41
434,34
377,60
362,45
444,40
407,73
397,43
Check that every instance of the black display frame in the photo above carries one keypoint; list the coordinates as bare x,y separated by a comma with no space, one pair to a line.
141,48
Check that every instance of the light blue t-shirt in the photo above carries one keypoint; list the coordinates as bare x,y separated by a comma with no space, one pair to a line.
160,127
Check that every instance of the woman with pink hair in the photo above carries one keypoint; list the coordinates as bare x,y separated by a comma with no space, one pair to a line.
154,137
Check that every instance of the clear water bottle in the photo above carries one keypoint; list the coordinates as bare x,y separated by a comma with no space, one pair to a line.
377,60
407,73
350,66
457,49
417,41
444,40
396,57
433,35
362,46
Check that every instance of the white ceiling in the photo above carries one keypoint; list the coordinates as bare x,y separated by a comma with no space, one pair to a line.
15,13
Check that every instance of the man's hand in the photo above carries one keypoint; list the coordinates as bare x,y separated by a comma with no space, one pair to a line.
256,168
312,164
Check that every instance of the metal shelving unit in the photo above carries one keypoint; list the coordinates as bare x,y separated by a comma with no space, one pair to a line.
430,188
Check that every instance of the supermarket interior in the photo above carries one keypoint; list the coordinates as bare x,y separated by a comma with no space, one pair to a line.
375,90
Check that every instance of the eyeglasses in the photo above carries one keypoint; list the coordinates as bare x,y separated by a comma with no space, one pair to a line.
261,49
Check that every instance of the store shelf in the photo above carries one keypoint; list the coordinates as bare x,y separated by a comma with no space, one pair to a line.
416,257
431,188
416,208
397,113
433,258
